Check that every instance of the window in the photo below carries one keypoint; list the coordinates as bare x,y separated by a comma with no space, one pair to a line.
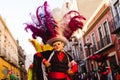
81,48
107,32
100,33
106,26
101,37
67,5
88,40
117,8
88,45
94,42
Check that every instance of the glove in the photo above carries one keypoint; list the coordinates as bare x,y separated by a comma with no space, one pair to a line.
70,72
47,63
38,54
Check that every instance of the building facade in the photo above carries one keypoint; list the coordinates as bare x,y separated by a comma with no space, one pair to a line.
21,62
100,35
115,8
9,59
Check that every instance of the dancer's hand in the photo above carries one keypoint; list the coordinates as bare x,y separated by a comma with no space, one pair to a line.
70,72
47,63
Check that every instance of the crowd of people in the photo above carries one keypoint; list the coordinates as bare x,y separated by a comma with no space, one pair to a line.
102,73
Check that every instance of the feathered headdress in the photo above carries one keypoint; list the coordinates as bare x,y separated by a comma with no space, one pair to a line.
43,23
70,23
47,28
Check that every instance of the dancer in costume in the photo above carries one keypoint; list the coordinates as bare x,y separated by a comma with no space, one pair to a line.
59,63
55,64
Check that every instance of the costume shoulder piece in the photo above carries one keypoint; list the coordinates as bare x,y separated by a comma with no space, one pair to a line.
46,54
70,57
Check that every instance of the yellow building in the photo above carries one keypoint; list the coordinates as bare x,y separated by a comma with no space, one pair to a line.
5,68
8,52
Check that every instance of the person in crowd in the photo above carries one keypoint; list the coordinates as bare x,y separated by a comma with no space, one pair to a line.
116,69
103,71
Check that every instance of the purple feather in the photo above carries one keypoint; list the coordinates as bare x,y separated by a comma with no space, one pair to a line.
43,24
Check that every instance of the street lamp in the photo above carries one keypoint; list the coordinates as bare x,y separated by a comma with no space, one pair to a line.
75,45
76,52
21,63
88,44
21,69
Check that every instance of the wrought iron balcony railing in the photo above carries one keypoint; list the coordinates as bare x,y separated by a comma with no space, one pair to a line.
115,24
104,42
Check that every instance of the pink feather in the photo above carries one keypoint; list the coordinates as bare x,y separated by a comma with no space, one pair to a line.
44,25
72,21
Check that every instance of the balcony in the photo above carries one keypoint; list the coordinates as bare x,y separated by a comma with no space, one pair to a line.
101,45
94,48
115,24
104,43
88,49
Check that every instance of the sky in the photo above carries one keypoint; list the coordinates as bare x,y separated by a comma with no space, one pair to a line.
16,12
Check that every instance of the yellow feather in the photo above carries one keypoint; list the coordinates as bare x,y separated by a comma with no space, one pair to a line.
40,47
